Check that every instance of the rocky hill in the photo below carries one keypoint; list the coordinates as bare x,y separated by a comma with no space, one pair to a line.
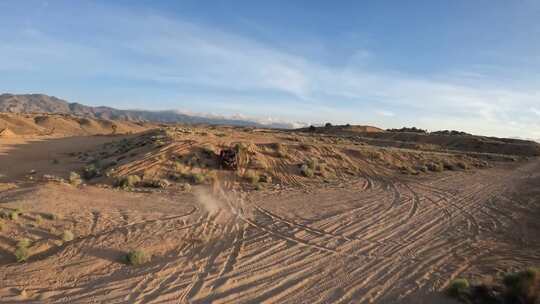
40,103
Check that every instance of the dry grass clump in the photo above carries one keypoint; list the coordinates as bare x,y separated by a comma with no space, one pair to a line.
155,183
435,167
462,165
252,177
408,170
75,179
421,168
67,236
13,215
137,257
280,149
129,181
52,216
22,253
264,178
39,219
306,171
197,178
449,166
309,167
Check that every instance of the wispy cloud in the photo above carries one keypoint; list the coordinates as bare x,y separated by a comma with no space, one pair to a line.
207,68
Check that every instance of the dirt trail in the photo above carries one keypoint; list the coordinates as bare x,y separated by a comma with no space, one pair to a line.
383,240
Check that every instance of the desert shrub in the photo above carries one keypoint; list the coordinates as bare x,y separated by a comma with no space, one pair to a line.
408,170
208,151
51,216
155,183
193,161
252,177
435,167
523,286
374,155
21,254
259,187
240,147
1,225
280,149
421,168
305,147
75,179
311,163
127,181
137,257
67,236
458,288
462,165
91,171
39,219
198,178
264,178
306,171
13,215
449,166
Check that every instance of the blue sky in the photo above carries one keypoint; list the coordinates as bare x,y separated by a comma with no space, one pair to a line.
467,65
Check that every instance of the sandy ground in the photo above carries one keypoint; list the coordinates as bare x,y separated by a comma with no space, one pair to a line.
376,239
20,156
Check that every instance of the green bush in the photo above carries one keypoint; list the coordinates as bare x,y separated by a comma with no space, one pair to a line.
523,286
137,257
458,288
91,171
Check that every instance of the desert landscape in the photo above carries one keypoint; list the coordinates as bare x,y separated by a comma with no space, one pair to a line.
108,210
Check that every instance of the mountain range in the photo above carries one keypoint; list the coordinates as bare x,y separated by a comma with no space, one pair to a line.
41,103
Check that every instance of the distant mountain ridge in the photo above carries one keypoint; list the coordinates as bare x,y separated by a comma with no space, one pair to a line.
41,103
